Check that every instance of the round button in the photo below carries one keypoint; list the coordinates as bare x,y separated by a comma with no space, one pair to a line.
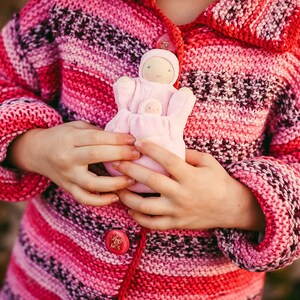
117,242
164,42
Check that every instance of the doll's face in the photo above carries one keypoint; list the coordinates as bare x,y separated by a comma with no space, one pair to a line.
158,69
153,107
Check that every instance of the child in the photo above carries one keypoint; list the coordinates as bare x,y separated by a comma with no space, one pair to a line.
226,215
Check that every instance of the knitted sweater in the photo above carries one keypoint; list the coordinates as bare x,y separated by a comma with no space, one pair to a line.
58,61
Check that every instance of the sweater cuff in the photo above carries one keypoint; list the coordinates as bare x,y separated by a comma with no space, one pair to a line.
276,188
16,117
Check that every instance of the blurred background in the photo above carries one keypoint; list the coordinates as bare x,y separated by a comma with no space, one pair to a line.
280,285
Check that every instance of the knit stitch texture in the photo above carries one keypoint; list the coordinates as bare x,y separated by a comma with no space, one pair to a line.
58,61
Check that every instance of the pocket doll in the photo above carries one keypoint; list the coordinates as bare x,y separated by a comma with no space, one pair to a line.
150,107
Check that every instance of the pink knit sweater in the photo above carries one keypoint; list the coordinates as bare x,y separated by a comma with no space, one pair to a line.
58,61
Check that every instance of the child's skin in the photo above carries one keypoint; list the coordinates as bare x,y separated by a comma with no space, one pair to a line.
63,153
182,12
199,195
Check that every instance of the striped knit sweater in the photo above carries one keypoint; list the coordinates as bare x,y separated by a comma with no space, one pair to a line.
58,61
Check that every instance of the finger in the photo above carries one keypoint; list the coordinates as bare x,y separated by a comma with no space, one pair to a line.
156,206
97,136
156,181
197,159
153,222
171,162
87,198
95,154
102,184
83,125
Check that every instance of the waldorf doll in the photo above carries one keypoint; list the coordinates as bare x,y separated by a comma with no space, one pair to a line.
150,107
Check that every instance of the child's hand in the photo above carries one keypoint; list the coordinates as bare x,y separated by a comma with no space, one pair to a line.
63,153
199,195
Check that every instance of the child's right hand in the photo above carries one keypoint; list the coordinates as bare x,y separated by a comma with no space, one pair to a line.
63,153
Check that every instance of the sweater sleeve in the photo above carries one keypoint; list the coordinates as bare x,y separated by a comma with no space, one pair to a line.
275,181
29,84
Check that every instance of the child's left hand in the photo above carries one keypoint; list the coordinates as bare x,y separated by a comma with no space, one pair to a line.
200,194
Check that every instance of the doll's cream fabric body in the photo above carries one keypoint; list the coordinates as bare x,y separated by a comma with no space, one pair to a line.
149,107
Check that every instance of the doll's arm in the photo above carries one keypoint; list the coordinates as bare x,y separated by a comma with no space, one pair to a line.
181,104
124,89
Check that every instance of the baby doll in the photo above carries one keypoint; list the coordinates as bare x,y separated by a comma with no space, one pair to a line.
150,107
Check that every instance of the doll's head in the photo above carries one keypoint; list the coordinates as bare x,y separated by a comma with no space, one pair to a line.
150,106
159,65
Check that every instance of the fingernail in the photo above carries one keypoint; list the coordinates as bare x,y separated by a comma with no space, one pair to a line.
130,181
138,143
135,154
116,164
114,198
131,140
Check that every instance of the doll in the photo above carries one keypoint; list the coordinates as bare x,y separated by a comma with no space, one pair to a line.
150,107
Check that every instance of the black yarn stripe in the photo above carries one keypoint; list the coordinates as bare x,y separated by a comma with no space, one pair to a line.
272,174
97,33
226,151
245,90
182,246
72,211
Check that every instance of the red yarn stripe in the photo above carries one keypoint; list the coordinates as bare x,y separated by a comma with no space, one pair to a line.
88,85
188,286
132,270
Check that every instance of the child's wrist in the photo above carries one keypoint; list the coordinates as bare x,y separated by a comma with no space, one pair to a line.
246,211
21,153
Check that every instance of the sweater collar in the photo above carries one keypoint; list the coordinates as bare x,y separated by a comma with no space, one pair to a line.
271,24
